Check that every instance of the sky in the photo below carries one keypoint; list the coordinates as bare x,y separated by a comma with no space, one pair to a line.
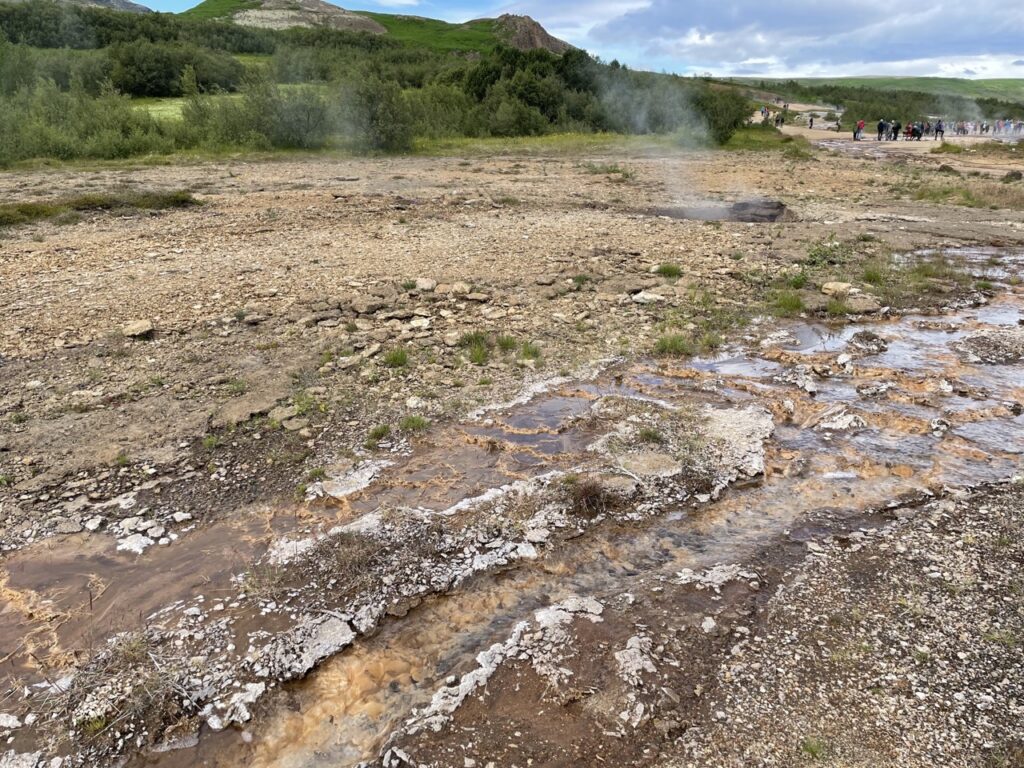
773,38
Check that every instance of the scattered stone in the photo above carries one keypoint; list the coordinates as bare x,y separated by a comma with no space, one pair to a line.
138,329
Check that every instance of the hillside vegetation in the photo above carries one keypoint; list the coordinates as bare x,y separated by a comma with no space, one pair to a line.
1004,89
66,75
862,102
438,35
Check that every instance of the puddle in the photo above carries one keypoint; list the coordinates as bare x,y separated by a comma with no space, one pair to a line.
747,211
937,421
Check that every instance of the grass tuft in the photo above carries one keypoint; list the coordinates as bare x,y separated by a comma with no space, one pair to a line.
414,424
396,357
674,345
670,271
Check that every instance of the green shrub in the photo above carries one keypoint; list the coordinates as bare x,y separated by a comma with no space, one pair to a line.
787,303
396,357
674,345
414,424
377,115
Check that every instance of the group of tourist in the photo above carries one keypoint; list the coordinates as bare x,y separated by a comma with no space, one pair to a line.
892,130
982,127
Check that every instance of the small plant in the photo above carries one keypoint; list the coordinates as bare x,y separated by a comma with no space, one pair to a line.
814,748
507,343
238,387
787,304
507,200
474,339
710,341
19,417
837,307
414,424
210,442
670,271
828,252
240,314
396,357
873,274
479,355
587,497
266,582
377,434
316,475
607,169
581,280
651,435
797,281
122,459
6,481
983,285
674,345
408,285
304,403
529,351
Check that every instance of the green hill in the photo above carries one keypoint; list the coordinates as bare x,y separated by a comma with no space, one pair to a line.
432,33
219,9
1006,89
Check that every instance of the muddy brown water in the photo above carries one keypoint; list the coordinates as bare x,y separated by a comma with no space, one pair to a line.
344,712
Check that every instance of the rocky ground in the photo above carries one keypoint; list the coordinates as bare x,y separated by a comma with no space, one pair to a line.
182,391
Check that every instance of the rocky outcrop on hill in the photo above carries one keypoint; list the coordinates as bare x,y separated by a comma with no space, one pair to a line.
526,34
281,14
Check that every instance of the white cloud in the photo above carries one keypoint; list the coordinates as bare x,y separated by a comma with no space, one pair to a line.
795,36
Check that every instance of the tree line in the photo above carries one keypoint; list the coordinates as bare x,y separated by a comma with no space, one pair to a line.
65,84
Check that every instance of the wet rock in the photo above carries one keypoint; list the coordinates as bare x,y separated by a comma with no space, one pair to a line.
863,304
868,342
138,329
136,543
996,346
839,419
650,464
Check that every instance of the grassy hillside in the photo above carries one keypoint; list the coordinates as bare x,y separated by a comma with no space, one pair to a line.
1004,89
434,34
219,9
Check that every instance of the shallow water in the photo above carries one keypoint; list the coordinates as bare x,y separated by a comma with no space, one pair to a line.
344,712
941,422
